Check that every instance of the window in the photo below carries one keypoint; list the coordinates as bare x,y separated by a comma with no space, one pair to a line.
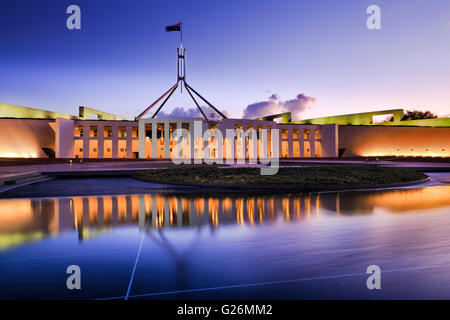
317,149
122,132
295,134
78,131
134,132
160,131
185,127
148,131
284,149
307,150
172,128
306,134
93,131
317,134
107,145
107,132
284,133
296,149
78,148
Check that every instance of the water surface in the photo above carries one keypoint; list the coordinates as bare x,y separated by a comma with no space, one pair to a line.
297,246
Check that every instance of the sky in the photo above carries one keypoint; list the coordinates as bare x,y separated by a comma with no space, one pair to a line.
274,53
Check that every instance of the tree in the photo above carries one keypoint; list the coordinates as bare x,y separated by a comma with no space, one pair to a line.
416,115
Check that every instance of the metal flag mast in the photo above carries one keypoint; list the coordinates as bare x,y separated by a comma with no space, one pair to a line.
181,81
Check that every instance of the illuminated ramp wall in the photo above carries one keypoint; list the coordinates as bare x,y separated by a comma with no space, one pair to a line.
25,138
370,141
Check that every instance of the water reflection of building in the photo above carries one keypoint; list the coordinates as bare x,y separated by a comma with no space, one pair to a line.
30,220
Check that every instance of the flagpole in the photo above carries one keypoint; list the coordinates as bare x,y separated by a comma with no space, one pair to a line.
181,50
181,35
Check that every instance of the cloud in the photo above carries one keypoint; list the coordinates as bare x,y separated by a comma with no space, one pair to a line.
274,97
274,105
263,108
180,112
298,105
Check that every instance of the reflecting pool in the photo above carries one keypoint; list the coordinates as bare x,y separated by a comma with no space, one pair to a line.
296,246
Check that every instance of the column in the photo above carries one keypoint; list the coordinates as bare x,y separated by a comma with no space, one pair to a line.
231,153
312,144
154,138
290,144
191,139
220,140
115,141
254,145
179,142
129,141
302,144
100,141
141,137
264,143
166,140
244,144
86,134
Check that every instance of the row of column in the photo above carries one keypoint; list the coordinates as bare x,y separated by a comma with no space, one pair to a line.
101,138
301,140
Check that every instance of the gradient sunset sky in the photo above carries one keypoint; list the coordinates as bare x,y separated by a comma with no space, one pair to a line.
238,53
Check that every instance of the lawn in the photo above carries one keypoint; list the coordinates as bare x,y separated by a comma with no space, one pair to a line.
316,176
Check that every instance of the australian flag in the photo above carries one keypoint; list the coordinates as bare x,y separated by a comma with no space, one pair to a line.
175,27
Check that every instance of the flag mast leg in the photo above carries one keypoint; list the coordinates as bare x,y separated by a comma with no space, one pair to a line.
164,102
195,101
206,101
159,99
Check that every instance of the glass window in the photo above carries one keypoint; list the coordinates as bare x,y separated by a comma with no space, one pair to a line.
148,130
78,131
172,128
122,132
306,134
93,130
107,132
318,149
134,132
317,134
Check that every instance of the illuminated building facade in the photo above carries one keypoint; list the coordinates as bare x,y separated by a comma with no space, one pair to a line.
34,133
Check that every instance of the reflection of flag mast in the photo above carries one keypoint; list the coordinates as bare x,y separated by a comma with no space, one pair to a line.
181,77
